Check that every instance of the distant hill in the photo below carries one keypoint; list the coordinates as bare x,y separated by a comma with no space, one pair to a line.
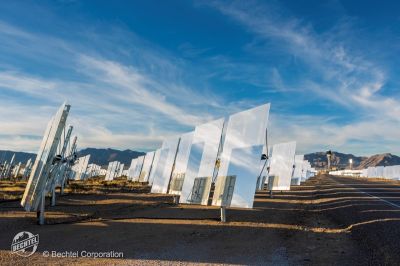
384,159
104,156
22,157
341,160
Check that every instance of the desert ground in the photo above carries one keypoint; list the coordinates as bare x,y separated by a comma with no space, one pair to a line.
325,221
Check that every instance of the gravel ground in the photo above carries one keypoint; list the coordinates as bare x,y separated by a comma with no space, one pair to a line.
322,222
368,208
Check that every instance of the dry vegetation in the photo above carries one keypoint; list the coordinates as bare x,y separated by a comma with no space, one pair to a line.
11,189
14,189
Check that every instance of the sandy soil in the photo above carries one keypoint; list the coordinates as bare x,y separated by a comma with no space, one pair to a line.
322,222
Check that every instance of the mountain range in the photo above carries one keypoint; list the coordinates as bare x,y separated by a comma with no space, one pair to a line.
341,160
317,159
23,157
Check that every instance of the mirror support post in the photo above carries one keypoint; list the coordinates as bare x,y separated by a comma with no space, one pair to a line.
223,214
53,196
40,213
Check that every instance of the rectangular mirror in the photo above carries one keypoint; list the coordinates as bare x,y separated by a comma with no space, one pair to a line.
148,160
112,170
154,166
165,165
281,168
201,163
240,158
298,169
138,168
131,170
182,157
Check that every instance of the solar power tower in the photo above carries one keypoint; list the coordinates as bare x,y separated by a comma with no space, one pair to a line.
46,160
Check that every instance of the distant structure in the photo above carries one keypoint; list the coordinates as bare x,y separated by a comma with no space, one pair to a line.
329,157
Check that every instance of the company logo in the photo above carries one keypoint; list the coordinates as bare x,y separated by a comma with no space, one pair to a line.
24,244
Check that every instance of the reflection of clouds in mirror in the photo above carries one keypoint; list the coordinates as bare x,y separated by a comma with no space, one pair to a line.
132,168
138,168
243,146
154,166
247,175
203,155
148,160
158,173
282,164
195,157
210,134
243,160
166,160
182,156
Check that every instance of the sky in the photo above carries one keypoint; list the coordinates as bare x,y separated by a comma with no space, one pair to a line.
136,72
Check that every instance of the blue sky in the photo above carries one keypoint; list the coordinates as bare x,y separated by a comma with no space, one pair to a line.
136,72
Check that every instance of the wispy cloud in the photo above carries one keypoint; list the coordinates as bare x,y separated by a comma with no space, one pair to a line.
135,88
333,70
114,104
340,72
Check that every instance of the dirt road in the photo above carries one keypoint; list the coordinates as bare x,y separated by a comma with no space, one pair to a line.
326,221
